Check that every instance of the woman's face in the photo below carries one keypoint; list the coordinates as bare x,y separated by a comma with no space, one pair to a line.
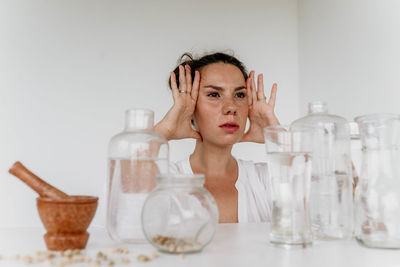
222,108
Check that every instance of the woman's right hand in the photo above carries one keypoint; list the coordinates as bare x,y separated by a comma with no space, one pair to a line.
176,124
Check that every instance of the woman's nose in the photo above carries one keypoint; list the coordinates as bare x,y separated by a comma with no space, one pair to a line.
229,107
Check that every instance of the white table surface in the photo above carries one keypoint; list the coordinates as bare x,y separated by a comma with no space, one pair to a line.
233,245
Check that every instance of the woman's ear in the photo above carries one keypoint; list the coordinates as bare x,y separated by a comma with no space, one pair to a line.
194,127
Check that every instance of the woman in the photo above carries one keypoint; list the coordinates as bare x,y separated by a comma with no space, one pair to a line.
213,109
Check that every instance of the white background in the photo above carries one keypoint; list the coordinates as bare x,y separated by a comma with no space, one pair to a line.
69,70
349,55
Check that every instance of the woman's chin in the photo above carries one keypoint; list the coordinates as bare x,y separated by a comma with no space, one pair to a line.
226,140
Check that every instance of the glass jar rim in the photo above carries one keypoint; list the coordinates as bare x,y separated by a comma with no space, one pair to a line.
166,178
288,128
377,116
143,110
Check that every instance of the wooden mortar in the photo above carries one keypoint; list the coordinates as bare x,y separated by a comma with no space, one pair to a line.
66,218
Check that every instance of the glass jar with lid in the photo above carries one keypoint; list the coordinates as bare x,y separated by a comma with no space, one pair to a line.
180,215
135,157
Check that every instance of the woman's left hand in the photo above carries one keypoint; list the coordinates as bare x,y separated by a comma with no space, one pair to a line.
261,112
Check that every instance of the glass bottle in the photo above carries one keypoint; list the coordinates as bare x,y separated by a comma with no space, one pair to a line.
355,152
377,203
180,215
135,156
331,196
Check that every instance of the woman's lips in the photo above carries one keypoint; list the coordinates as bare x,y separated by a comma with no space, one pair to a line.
229,127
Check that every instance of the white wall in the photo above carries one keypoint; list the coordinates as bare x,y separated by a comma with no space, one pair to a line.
69,69
349,55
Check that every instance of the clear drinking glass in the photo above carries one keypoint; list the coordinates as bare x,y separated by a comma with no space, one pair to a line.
135,157
180,215
377,197
289,165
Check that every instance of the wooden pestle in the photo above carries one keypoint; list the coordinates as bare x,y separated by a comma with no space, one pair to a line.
41,187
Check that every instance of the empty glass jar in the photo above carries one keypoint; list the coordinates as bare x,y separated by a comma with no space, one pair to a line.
331,196
135,156
377,207
180,215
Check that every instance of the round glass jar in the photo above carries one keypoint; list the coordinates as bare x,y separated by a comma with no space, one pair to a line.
179,215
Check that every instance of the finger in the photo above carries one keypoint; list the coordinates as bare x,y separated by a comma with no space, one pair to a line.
248,90
196,85
188,79
272,97
253,87
260,87
175,91
182,80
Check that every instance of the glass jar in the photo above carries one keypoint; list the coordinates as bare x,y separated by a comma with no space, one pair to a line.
135,156
377,210
180,215
331,196
289,168
356,152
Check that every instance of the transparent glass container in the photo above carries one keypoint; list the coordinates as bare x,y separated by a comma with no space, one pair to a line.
377,202
356,152
135,157
331,195
180,215
289,168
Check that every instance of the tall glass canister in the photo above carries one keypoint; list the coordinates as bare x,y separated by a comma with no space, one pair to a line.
331,180
377,203
289,167
135,157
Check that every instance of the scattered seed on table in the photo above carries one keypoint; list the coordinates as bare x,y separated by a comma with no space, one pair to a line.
143,258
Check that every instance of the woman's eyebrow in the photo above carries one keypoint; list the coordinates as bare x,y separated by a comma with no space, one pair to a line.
218,88
240,88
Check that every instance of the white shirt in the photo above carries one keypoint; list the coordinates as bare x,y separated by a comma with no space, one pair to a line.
252,186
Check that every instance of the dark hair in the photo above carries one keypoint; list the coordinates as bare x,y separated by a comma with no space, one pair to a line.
197,64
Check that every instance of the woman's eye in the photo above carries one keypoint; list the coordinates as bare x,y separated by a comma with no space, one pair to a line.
241,95
213,94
